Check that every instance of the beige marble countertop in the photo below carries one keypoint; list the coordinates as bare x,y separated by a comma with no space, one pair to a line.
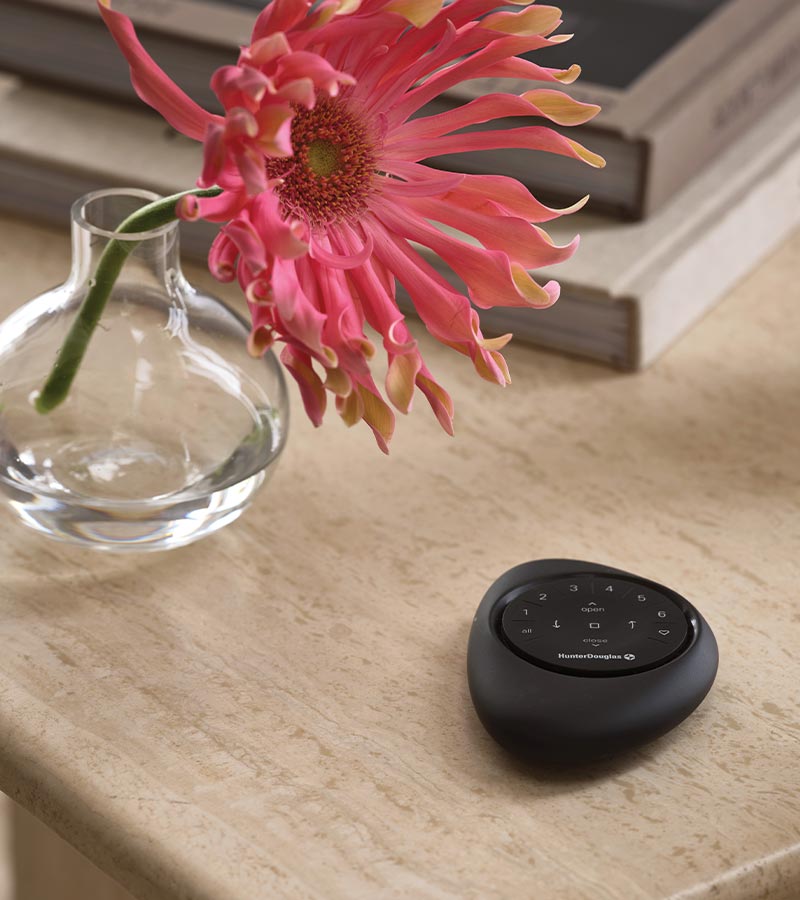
281,710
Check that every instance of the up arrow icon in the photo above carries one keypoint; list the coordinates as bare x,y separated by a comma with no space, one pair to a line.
591,603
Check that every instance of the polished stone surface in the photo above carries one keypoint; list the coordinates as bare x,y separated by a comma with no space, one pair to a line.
281,710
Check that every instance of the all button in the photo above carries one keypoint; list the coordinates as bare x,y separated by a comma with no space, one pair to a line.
527,636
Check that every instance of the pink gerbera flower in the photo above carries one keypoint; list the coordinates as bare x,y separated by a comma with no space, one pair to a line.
325,197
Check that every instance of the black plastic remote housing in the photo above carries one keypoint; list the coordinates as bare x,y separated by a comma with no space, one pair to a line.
571,661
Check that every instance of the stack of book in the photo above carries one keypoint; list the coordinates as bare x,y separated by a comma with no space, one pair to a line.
700,127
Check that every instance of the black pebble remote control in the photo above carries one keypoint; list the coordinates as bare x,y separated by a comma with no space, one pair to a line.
570,661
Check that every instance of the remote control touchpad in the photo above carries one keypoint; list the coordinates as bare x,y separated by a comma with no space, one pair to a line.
593,625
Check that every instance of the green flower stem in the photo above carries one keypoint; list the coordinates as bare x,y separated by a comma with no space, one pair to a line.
69,358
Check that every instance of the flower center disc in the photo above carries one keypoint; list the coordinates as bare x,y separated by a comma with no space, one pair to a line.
329,177
323,158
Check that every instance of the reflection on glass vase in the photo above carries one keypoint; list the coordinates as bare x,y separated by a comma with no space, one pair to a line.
170,426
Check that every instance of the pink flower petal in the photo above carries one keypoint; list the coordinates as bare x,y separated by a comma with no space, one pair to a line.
213,155
300,91
312,390
491,277
504,195
379,307
242,233
382,313
275,129
300,318
401,379
518,68
338,382
323,255
283,237
497,51
417,12
415,43
222,258
532,137
374,287
439,399
432,184
461,12
525,244
560,108
311,65
495,106
279,15
265,50
538,19
446,313
152,84
213,209
344,326
260,340
378,415
239,86
461,45
251,167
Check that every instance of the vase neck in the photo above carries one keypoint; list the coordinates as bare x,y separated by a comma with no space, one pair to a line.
154,255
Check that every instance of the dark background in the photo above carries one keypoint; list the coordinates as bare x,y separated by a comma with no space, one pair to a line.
617,40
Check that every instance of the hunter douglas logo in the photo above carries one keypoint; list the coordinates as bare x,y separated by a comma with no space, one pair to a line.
628,656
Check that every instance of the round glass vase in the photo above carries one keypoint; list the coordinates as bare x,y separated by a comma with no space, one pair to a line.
170,426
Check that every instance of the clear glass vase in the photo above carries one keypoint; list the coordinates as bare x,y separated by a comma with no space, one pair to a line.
170,426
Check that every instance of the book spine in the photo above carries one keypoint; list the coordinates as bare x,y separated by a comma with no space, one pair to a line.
720,109
744,234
